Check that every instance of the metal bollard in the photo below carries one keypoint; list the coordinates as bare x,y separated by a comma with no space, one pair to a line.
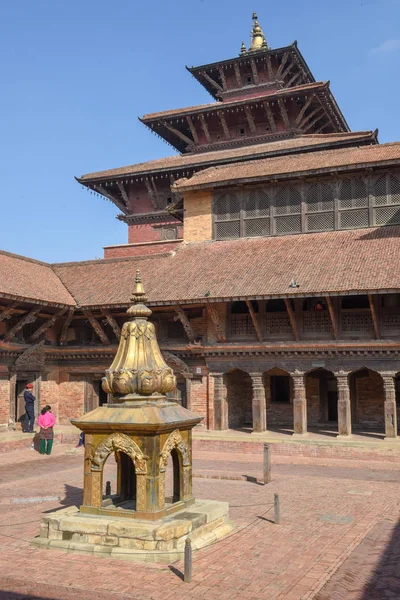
108,488
187,575
267,464
277,510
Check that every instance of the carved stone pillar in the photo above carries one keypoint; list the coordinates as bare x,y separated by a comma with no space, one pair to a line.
220,402
344,405
390,405
299,403
259,404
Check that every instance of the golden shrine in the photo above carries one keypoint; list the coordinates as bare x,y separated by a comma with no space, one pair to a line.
143,429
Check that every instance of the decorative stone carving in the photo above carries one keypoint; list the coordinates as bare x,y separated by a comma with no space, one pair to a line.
174,440
119,442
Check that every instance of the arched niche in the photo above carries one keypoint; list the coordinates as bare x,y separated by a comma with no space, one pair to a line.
176,448
132,470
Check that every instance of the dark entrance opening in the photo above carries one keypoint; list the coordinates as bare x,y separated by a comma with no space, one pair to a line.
19,404
280,388
127,490
332,397
173,483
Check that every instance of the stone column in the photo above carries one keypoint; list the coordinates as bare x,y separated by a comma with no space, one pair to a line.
299,403
390,405
220,403
344,405
259,404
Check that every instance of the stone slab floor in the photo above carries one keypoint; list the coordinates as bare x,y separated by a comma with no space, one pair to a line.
338,539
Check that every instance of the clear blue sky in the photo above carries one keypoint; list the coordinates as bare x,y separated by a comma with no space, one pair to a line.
75,75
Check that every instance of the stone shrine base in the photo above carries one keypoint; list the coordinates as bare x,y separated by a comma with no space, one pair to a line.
160,541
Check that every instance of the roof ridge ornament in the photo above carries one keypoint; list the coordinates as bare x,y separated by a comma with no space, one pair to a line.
258,41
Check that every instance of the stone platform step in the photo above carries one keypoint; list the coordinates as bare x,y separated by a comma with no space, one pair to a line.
312,445
17,440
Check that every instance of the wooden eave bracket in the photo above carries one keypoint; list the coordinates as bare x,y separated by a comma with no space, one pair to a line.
112,322
29,317
333,316
46,325
292,319
218,325
66,324
97,327
255,322
374,316
187,326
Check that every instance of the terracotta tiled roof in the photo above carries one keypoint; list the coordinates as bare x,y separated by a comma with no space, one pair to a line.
321,263
307,87
22,277
279,147
291,165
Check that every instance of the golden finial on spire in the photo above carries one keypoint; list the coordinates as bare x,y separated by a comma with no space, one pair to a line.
243,49
258,41
138,369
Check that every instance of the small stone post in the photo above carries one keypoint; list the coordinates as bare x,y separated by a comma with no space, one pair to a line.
390,405
277,510
344,406
187,575
220,403
267,464
259,404
299,403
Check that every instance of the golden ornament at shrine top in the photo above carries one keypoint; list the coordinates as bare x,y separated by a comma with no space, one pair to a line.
138,368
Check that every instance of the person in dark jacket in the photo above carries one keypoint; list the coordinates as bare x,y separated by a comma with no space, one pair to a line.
29,409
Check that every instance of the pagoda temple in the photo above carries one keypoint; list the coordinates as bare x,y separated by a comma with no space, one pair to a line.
268,246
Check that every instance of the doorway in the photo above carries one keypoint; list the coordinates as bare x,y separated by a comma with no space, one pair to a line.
332,397
19,406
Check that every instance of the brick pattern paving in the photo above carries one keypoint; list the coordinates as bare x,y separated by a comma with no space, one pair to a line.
336,520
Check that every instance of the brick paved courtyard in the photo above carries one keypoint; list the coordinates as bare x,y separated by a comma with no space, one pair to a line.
338,537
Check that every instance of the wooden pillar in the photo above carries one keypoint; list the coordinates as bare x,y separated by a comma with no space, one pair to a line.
390,405
299,403
220,403
259,404
344,404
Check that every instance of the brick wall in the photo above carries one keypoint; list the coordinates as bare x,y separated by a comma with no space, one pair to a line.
313,401
239,397
370,399
4,401
198,398
139,249
71,400
198,216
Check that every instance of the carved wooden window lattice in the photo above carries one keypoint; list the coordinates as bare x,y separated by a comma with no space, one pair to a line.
277,209
227,217
316,322
257,214
287,210
242,325
353,321
391,320
277,323
320,203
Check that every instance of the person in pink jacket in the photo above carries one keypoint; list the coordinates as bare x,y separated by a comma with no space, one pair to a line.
46,423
